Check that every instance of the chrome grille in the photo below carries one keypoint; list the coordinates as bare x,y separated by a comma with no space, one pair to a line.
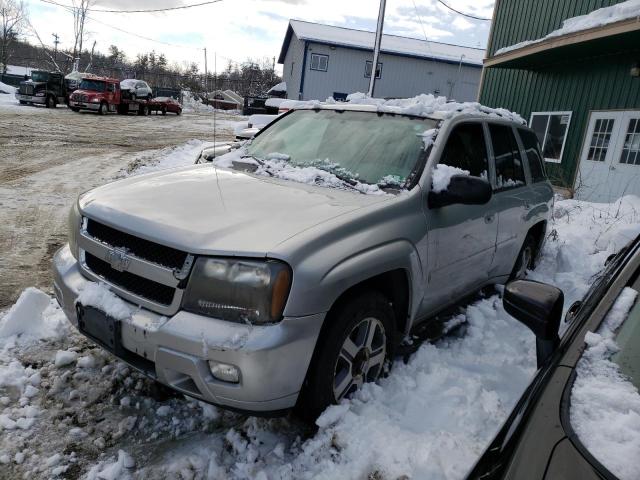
144,272
26,89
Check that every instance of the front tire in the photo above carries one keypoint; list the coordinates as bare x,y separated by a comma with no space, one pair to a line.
102,109
352,351
51,102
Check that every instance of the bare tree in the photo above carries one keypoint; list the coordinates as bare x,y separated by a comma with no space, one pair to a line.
79,9
13,19
44,47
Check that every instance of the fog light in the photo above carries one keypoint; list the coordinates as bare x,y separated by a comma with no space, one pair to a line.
224,372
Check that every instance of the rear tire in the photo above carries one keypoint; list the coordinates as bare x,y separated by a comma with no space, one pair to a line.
526,258
22,102
353,350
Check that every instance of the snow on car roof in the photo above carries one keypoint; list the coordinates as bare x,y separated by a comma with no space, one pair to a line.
394,44
597,18
425,105
128,81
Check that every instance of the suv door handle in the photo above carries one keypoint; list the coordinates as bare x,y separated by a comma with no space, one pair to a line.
489,218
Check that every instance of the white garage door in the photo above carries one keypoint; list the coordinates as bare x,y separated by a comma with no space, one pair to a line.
610,161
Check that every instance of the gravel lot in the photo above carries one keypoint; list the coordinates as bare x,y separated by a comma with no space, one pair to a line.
47,157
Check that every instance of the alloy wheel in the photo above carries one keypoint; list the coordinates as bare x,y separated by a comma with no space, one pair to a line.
361,358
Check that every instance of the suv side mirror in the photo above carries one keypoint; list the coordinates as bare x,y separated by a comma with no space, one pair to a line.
539,307
462,189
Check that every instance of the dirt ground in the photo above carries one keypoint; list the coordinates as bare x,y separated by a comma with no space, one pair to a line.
48,157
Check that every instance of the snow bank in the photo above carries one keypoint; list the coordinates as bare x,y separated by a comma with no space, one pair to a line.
192,104
169,157
7,89
605,405
32,317
597,18
441,176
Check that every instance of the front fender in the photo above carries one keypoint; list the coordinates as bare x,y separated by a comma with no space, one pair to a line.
309,297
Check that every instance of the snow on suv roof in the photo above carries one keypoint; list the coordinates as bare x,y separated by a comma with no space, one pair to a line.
393,44
423,105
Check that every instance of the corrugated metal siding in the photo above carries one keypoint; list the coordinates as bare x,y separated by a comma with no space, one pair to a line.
600,83
295,54
401,76
520,20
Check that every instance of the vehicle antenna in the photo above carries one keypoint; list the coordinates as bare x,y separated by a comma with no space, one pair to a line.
215,87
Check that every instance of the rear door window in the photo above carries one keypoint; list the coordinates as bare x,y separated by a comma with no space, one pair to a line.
509,169
532,149
466,149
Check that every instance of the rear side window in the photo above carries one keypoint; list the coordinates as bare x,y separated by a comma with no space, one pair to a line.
509,170
532,149
467,150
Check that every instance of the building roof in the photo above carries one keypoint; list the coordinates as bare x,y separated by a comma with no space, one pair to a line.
629,10
391,44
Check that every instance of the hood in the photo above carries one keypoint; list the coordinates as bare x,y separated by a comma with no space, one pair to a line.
35,84
88,92
208,210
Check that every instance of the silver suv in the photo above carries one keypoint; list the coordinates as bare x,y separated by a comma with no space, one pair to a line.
255,291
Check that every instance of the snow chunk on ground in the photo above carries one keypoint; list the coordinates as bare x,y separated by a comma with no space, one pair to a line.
597,18
605,405
99,296
441,176
64,358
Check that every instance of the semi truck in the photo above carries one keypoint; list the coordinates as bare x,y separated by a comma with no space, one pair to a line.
44,88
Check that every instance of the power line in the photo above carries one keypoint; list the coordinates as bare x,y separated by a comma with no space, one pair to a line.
421,24
468,15
152,10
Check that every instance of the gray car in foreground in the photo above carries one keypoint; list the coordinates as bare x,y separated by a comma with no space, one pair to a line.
255,288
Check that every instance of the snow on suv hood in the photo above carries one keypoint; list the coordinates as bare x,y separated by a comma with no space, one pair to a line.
208,210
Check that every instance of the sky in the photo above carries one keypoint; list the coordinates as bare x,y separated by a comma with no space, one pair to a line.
236,30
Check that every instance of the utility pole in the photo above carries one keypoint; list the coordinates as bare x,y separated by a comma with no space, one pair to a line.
376,47
56,41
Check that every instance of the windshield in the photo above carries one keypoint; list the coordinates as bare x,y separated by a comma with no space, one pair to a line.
93,85
369,147
40,76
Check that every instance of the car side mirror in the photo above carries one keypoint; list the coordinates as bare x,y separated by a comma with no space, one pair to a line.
539,307
462,189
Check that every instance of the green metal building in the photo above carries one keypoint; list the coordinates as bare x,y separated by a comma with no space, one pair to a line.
578,88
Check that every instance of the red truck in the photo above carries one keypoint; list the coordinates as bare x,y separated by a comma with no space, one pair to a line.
103,95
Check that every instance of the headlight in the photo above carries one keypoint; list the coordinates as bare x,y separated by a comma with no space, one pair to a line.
74,229
238,290
95,100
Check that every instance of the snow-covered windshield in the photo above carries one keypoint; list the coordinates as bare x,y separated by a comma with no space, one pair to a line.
93,85
605,403
40,76
369,147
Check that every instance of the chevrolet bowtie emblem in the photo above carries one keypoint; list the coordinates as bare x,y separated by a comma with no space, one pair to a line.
118,259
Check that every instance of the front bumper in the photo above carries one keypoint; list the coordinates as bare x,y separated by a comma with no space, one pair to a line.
273,360
84,105
30,98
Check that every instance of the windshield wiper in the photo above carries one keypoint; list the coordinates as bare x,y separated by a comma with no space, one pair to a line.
260,161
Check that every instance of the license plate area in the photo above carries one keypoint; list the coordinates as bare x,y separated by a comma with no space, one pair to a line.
106,331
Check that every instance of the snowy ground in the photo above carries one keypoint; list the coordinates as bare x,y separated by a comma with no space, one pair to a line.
70,410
